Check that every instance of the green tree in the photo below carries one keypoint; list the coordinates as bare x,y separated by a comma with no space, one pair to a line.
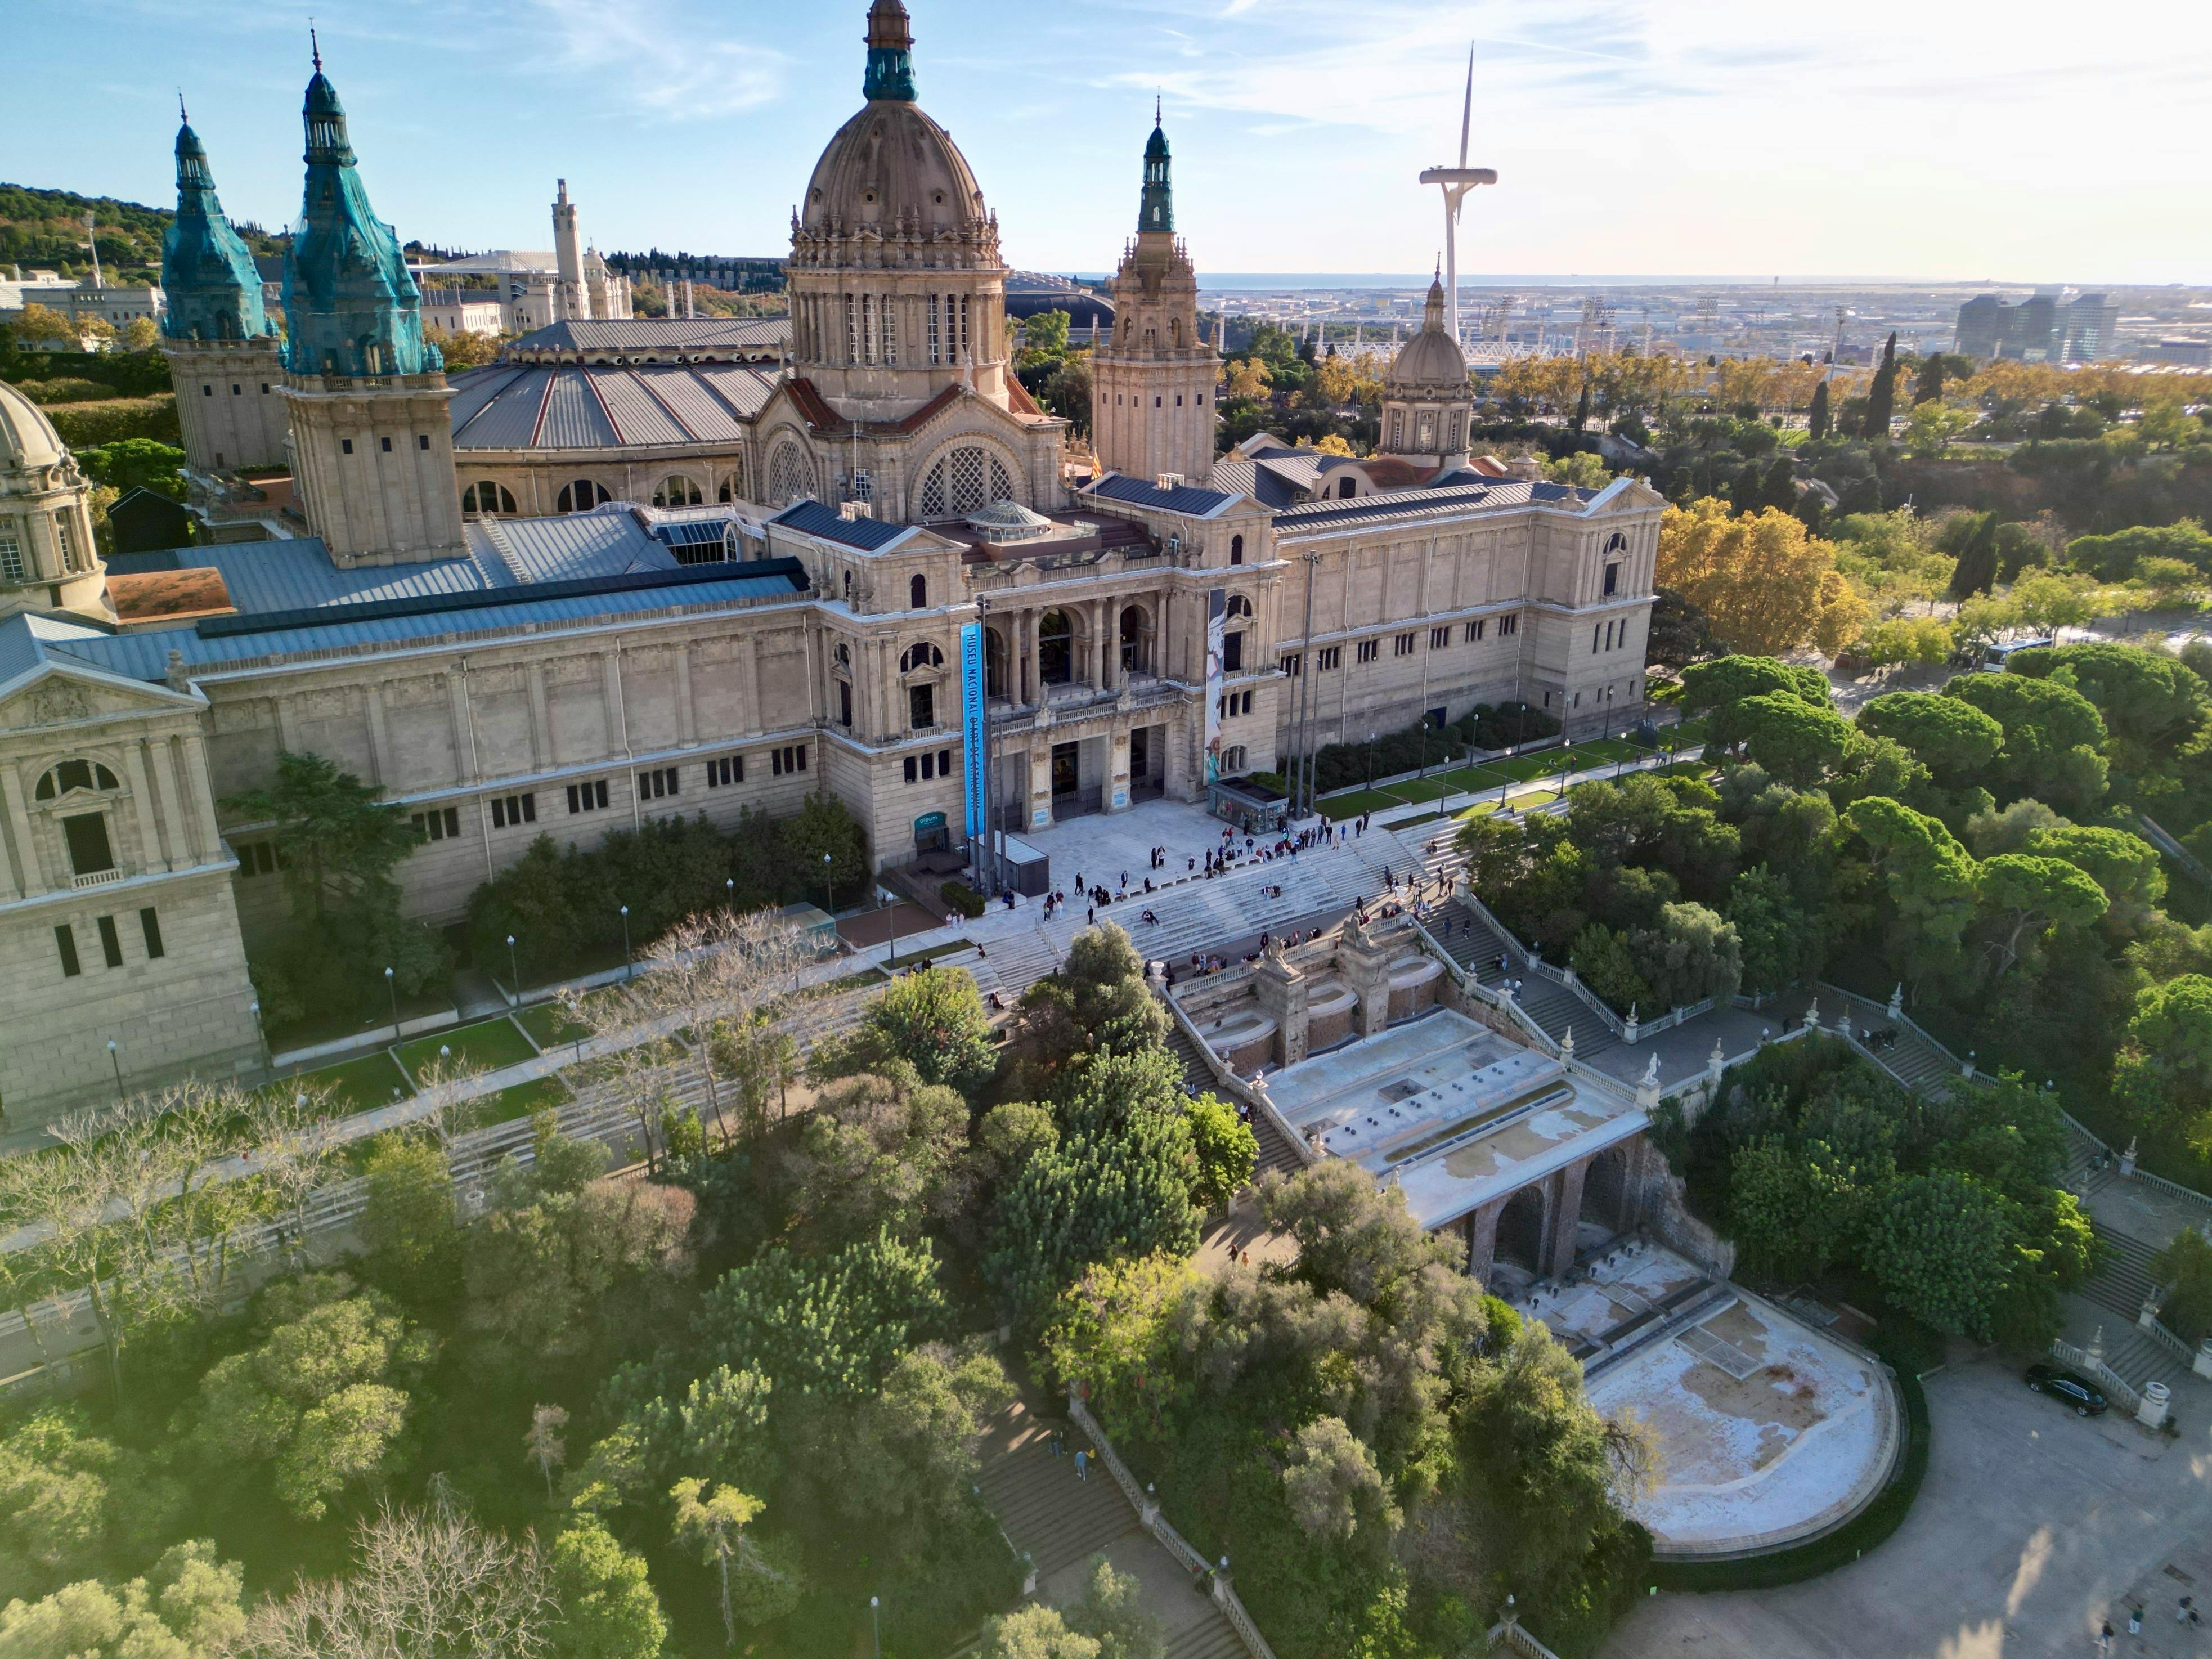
1353,1236
2025,895
2145,698
186,1607
1689,956
537,1275
73,1504
1944,1248
879,1154
2125,865
714,1524
1975,550
1044,335
2054,738
834,1324
1603,960
1727,680
1928,875
822,827
129,464
1226,1150
1816,423
322,1399
608,1609
407,1223
2182,1270
1881,395
1334,1488
1945,735
933,1020
1782,944
1791,738
2163,1066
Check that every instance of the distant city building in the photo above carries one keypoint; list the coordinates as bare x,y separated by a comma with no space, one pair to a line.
529,288
2039,329
2182,354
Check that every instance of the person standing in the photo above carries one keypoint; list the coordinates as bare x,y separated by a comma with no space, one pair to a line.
1080,1473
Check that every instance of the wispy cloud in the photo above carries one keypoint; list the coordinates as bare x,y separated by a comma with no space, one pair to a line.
663,63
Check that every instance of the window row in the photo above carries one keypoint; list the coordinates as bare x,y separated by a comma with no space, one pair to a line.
422,442
1608,637
15,567
930,763
236,391
586,795
1404,645
111,941
1234,703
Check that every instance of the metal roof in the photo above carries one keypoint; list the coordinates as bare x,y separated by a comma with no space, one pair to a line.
1187,499
692,533
1490,492
603,405
813,519
656,334
574,417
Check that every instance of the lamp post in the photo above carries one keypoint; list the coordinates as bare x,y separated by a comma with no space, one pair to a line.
729,894
1370,760
514,974
117,1063
629,967
876,1625
261,1034
392,990
829,886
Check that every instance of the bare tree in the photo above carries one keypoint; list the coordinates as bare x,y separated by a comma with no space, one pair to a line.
544,1443
293,1150
426,1585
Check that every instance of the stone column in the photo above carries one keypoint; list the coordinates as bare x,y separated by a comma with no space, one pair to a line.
541,722
1566,1209
685,726
141,799
1482,1238
457,697
1366,967
379,738
1110,663
195,764
1283,995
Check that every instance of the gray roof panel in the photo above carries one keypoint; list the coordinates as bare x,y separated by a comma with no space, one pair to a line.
1187,499
509,420
474,388
813,519
580,546
639,416
657,334
574,416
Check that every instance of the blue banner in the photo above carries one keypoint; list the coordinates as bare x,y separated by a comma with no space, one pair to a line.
971,724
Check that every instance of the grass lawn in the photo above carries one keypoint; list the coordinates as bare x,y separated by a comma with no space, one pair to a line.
952,947
1607,749
1475,778
521,1100
362,1083
489,1044
1352,802
548,1025
336,1027
1419,789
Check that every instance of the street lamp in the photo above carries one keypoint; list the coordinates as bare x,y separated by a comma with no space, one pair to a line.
268,1064
1370,760
876,1625
514,972
629,967
392,990
117,1065
730,893
829,887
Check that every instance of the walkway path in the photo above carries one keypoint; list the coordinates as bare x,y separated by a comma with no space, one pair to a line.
1060,1524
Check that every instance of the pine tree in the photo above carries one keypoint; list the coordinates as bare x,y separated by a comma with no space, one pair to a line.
1816,425
1977,569
1881,396
1930,386
1583,406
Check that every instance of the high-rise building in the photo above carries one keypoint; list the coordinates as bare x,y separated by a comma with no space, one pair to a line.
1152,385
225,361
372,443
2093,329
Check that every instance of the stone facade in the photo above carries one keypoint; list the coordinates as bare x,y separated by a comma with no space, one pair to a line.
372,460
48,559
230,402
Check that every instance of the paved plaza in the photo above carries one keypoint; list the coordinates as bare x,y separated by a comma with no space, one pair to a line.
2033,1529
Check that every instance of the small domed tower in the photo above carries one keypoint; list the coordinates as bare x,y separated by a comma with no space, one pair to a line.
48,561
372,443
1152,386
225,360
1428,401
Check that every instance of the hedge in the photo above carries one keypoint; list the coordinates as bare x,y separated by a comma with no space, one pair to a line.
1340,765
84,426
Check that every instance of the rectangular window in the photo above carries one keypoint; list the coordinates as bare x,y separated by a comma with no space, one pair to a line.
1294,665
233,389
729,769
928,766
1232,654
656,783
845,704
1332,657
1368,651
851,330
110,945
62,541
888,311
921,706
507,810
345,446
439,824
867,328
86,836
1440,638
150,924
935,351
66,941
963,327
11,557
913,769
1402,646
590,796
1597,630
791,757
1611,579
421,440
944,763
1508,625
206,391
1473,632
264,388
387,446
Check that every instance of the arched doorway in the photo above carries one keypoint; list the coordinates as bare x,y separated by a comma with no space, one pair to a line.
1055,647
1521,1231
1136,641
1605,1200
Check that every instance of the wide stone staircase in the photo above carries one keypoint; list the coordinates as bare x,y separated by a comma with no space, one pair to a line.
1475,946
1911,1059
1059,1522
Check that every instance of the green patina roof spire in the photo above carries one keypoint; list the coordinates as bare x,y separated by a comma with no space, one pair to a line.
1156,211
891,53
213,287
351,303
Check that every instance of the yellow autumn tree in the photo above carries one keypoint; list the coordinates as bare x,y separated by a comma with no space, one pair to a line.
1249,378
1332,445
1766,583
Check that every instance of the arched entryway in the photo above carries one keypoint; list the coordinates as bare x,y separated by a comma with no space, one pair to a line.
1136,636
1521,1231
1055,647
994,664
1605,1200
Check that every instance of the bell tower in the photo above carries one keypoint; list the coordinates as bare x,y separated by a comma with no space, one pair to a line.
372,444
225,360
1152,386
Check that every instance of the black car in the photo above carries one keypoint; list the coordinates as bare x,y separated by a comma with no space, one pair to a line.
2086,1399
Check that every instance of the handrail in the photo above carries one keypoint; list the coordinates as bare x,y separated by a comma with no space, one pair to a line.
1900,1017
1509,1634
2082,1359
1565,977
1473,986
1226,1076
1178,1546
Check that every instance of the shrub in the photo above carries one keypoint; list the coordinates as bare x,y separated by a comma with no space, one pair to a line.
958,895
82,426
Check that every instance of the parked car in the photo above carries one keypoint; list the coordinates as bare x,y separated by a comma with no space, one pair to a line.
2086,1399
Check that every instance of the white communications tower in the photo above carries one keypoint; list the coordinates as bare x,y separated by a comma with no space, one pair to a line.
1456,182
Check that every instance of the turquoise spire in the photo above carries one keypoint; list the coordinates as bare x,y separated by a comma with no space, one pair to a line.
891,53
1156,211
214,290
351,305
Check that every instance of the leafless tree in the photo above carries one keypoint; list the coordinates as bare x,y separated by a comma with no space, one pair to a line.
544,1442
294,1151
426,1585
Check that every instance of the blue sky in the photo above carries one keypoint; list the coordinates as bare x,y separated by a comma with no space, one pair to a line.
1957,139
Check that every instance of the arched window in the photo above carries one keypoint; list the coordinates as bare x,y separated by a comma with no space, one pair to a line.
580,496
487,497
1233,758
789,476
917,593
732,489
1236,549
677,491
1136,640
964,480
845,657
1055,649
924,655
1238,605
1616,543
75,774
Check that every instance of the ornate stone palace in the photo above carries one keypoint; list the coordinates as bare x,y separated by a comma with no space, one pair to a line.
642,567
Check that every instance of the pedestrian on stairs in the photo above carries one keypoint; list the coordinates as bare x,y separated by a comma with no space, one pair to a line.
1080,1472
1059,1442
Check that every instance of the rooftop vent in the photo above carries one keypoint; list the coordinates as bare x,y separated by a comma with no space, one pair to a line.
1170,481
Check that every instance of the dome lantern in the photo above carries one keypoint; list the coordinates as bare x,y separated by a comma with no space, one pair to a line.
891,54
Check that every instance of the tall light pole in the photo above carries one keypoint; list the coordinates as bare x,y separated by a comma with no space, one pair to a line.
1456,182
629,966
514,971
876,1625
117,1063
392,990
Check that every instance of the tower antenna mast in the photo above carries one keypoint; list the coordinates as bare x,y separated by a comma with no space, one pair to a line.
1456,182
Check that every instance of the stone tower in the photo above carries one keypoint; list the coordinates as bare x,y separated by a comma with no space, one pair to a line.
225,360
570,297
1151,388
372,446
